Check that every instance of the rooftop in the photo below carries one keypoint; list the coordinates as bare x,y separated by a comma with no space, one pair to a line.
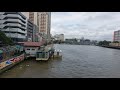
33,44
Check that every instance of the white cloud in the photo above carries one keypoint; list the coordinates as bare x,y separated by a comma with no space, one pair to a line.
92,25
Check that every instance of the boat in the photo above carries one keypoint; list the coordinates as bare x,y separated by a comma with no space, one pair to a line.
58,53
45,53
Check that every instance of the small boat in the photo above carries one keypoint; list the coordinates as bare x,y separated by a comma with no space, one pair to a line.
58,54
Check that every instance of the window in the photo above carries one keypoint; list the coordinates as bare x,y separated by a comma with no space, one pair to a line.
28,49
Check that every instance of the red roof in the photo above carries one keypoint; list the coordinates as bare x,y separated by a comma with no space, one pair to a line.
34,44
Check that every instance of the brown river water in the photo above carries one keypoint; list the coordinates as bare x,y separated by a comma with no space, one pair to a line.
78,61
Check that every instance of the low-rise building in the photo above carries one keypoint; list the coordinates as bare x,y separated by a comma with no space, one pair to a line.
114,44
32,47
116,36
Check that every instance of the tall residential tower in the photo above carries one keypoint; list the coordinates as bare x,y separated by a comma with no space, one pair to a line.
45,24
116,36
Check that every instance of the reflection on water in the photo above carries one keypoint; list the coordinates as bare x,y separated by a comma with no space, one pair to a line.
78,61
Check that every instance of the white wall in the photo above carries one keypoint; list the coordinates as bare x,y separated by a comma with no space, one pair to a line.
32,52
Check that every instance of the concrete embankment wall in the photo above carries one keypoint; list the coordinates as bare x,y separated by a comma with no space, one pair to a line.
11,62
113,47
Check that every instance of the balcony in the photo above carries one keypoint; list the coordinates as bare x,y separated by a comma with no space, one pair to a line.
16,16
15,25
2,17
15,35
16,20
14,30
3,26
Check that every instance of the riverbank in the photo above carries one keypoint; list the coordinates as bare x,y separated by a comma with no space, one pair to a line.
5,65
113,47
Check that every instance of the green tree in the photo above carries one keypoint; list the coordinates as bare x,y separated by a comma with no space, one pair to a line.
5,40
104,43
115,42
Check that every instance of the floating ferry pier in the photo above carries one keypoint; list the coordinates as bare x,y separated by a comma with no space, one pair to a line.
44,53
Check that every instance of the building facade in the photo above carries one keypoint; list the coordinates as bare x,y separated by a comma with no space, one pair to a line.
35,33
30,28
41,21
34,18
45,24
26,14
116,36
31,48
14,25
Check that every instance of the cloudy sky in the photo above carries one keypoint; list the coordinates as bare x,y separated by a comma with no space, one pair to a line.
90,25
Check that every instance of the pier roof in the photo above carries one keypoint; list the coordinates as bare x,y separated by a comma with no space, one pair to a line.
33,44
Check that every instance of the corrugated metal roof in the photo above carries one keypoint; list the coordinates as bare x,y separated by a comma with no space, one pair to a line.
34,44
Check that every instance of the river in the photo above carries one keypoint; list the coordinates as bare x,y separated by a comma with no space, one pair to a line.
78,61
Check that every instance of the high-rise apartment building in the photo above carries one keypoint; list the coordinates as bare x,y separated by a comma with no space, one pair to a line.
34,18
116,36
30,28
14,25
45,23
42,21
26,14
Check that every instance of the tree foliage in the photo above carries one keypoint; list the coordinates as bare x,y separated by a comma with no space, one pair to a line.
115,42
104,43
4,39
